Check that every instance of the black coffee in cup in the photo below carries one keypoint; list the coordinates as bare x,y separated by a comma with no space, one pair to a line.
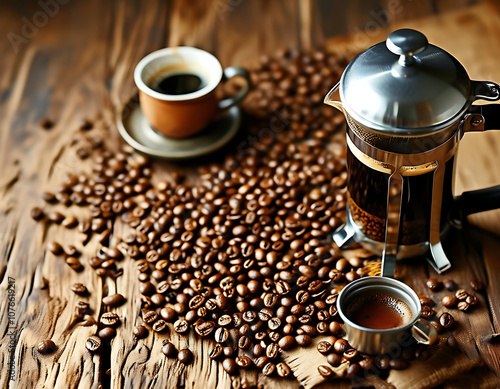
379,311
177,84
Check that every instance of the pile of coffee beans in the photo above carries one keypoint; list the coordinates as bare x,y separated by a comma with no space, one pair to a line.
243,256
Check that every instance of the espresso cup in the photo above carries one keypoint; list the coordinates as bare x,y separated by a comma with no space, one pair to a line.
177,89
379,313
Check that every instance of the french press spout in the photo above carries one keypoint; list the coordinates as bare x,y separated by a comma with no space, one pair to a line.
408,104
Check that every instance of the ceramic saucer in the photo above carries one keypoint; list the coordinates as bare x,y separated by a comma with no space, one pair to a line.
136,131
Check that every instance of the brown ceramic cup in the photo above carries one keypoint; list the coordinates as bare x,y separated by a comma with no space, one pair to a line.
183,115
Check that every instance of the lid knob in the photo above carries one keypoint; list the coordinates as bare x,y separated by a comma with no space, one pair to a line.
406,43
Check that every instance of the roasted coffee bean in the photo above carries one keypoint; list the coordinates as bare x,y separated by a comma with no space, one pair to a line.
335,328
351,354
160,326
433,284
37,213
471,299
366,364
243,361
79,288
427,312
340,346
269,369
55,248
322,327
398,364
185,356
449,301
216,352
324,347
477,285
225,321
303,340
274,323
272,350
424,300
287,342
181,326
113,300
93,343
437,325
221,335
283,369
249,316
265,314
446,320
461,294
149,317
46,347
205,329
450,285
229,366
109,319
140,332
334,359
168,314
227,351
244,343
382,362
169,350
107,333
262,361
326,372
463,306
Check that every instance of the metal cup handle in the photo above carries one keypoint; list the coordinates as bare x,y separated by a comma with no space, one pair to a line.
424,332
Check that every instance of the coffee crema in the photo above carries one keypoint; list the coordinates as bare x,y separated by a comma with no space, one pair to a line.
379,311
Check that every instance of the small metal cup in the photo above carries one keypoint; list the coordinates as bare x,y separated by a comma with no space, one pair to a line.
381,341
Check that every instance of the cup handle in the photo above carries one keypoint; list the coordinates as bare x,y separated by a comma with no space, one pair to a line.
230,72
424,332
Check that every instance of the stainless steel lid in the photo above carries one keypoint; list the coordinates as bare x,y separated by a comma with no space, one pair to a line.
405,86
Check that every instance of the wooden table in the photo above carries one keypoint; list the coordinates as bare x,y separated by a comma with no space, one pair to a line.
74,60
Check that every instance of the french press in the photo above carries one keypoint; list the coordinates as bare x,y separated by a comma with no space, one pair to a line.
408,104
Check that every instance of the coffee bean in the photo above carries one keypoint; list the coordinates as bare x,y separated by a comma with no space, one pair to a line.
334,359
227,351
287,342
221,335
382,362
185,356
107,333
463,306
243,361
303,340
181,326
109,319
450,285
446,320
424,300
216,352
324,347
351,354
433,284
449,301
140,332
160,326
37,213
79,288
326,372
229,366
477,285
340,346
93,343
249,316
55,248
269,369
437,325
471,299
274,323
74,263
149,316
272,350
46,347
113,300
398,364
205,329
169,350
461,294
427,311
244,343
283,369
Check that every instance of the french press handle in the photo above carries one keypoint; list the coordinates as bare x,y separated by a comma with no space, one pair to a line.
480,118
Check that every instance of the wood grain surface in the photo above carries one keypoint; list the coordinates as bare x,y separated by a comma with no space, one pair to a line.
76,62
